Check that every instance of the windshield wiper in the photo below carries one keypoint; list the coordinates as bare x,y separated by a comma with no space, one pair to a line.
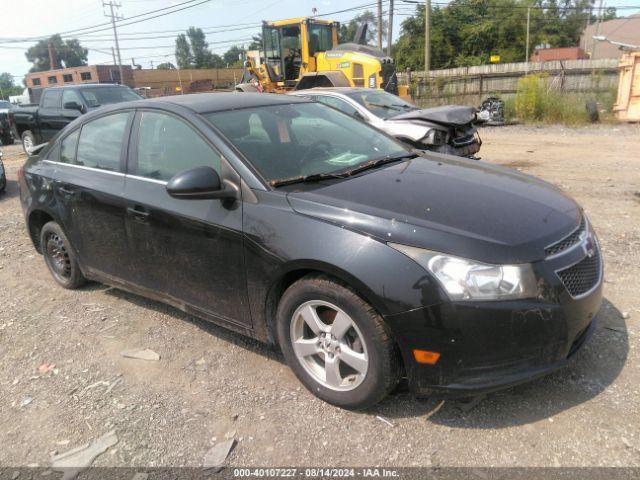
394,106
379,161
316,177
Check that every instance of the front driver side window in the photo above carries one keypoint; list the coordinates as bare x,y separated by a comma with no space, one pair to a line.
167,145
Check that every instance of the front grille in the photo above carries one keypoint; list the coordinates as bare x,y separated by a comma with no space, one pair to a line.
583,276
568,241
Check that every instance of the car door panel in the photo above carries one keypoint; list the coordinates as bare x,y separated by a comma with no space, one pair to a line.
190,251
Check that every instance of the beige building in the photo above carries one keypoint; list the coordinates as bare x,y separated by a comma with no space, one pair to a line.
625,30
78,75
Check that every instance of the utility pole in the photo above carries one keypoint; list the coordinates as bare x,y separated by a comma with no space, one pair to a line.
427,35
593,49
114,16
113,54
379,23
526,55
390,29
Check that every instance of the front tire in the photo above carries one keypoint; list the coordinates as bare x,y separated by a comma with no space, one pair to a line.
59,257
336,343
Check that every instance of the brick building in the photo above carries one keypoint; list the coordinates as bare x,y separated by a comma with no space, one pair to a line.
79,75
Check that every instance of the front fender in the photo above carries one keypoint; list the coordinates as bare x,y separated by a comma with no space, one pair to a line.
279,241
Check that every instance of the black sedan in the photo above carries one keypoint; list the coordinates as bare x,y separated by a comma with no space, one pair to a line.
296,224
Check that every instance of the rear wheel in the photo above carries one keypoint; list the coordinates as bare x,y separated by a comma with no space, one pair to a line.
336,344
28,141
59,257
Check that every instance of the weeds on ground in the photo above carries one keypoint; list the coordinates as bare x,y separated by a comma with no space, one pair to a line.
539,100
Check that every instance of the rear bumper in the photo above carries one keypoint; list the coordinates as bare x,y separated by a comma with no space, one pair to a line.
488,346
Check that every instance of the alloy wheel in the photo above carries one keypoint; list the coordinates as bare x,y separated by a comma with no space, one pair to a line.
58,257
329,346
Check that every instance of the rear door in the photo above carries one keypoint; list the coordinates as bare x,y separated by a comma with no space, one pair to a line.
188,250
89,185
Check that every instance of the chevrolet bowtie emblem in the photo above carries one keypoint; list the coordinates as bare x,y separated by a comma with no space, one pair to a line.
588,246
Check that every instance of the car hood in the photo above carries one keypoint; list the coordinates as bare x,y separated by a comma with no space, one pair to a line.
447,204
455,115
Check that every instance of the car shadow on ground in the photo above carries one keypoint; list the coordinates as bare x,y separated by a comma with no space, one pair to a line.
222,333
10,191
589,372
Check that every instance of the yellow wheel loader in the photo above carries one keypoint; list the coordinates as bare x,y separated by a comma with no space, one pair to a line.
303,53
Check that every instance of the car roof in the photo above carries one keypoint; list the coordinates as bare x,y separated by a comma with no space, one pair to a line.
217,102
85,85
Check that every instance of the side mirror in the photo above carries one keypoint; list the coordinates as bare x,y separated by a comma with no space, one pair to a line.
199,183
73,106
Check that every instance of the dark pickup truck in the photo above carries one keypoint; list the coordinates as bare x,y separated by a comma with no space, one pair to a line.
59,106
5,123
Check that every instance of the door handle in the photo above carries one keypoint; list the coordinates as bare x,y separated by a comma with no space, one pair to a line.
140,215
66,191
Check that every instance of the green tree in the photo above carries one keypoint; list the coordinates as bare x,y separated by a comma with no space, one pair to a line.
199,48
256,42
184,57
192,51
348,30
468,32
6,81
216,61
68,52
166,66
233,56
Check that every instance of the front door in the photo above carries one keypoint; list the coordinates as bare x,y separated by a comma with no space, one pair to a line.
187,250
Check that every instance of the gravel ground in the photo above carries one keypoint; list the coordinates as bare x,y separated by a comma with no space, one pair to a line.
210,384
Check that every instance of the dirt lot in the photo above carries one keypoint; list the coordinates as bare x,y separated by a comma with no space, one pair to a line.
210,383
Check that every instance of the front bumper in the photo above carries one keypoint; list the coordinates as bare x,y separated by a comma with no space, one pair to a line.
487,346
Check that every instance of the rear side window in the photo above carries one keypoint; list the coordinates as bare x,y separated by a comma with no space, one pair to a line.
101,142
52,99
68,147
167,145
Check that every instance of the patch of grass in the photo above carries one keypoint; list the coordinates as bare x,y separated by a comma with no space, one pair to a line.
538,100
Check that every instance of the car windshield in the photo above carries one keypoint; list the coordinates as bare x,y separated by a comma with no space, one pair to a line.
381,104
4,105
303,139
106,95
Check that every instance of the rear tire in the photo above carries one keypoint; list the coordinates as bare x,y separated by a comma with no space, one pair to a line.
28,141
60,257
348,358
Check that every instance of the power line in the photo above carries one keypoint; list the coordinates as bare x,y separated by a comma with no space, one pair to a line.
188,3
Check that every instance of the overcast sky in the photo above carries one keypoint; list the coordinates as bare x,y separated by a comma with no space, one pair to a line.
30,18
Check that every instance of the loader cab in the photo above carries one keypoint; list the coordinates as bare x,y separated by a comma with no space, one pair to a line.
290,47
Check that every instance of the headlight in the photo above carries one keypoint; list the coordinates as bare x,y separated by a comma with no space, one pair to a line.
435,137
465,279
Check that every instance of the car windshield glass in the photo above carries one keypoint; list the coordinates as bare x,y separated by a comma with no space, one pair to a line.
303,139
381,104
4,105
106,95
